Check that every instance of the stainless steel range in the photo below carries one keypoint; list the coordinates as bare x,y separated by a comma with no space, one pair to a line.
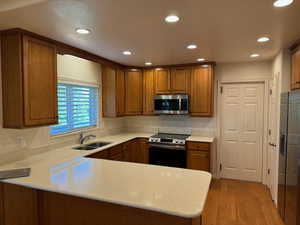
168,149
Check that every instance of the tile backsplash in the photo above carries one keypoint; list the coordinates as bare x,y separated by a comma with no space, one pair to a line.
18,144
176,124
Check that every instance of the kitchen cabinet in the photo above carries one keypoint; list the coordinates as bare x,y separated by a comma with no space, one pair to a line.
143,151
134,92
132,151
113,92
148,92
22,205
198,156
295,79
172,81
180,80
116,153
162,81
198,160
201,101
104,154
29,81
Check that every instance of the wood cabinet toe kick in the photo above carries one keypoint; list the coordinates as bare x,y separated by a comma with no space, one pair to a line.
26,206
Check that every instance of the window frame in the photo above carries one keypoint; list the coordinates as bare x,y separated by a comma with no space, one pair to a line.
83,129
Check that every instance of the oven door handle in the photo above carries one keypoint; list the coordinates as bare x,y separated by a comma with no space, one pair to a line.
171,147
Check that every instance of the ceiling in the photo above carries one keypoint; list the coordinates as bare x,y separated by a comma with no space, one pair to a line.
225,31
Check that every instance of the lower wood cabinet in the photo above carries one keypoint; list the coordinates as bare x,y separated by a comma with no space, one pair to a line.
132,151
143,152
27,206
198,160
198,156
100,155
137,151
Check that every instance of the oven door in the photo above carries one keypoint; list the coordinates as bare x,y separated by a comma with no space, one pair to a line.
167,155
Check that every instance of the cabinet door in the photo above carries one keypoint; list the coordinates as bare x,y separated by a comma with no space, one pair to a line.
148,92
144,151
117,157
40,82
201,92
162,81
180,80
120,92
109,97
134,92
198,160
104,154
134,148
295,79
129,150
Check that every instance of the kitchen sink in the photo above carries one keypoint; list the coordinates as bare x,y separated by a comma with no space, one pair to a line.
92,146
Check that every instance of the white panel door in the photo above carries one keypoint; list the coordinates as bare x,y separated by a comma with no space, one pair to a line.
242,131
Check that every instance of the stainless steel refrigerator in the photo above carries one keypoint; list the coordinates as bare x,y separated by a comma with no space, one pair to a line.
289,159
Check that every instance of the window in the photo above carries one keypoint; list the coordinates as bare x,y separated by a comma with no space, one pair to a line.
77,108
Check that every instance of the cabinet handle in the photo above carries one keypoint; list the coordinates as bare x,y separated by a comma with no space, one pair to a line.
297,82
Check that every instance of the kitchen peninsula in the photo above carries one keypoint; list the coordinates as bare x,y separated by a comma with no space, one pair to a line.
102,191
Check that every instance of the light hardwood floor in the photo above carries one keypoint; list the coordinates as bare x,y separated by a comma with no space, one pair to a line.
232,202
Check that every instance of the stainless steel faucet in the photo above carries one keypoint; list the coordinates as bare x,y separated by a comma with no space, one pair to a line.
83,138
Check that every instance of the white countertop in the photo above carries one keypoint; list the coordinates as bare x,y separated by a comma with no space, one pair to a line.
174,191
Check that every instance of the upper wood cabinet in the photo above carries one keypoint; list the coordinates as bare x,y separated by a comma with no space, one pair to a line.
162,81
180,80
172,81
113,92
295,79
29,81
148,92
202,91
134,92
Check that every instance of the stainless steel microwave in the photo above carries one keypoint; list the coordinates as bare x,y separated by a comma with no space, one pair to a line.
171,104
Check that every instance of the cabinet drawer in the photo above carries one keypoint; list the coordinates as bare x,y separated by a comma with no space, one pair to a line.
116,150
200,146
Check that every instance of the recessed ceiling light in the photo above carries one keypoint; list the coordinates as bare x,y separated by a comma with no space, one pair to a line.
282,3
254,55
148,63
200,59
83,31
172,19
263,39
192,46
127,53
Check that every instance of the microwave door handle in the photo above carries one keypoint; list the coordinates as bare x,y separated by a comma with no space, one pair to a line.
180,109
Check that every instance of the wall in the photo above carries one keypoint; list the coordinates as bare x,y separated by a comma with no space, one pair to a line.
246,71
17,144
